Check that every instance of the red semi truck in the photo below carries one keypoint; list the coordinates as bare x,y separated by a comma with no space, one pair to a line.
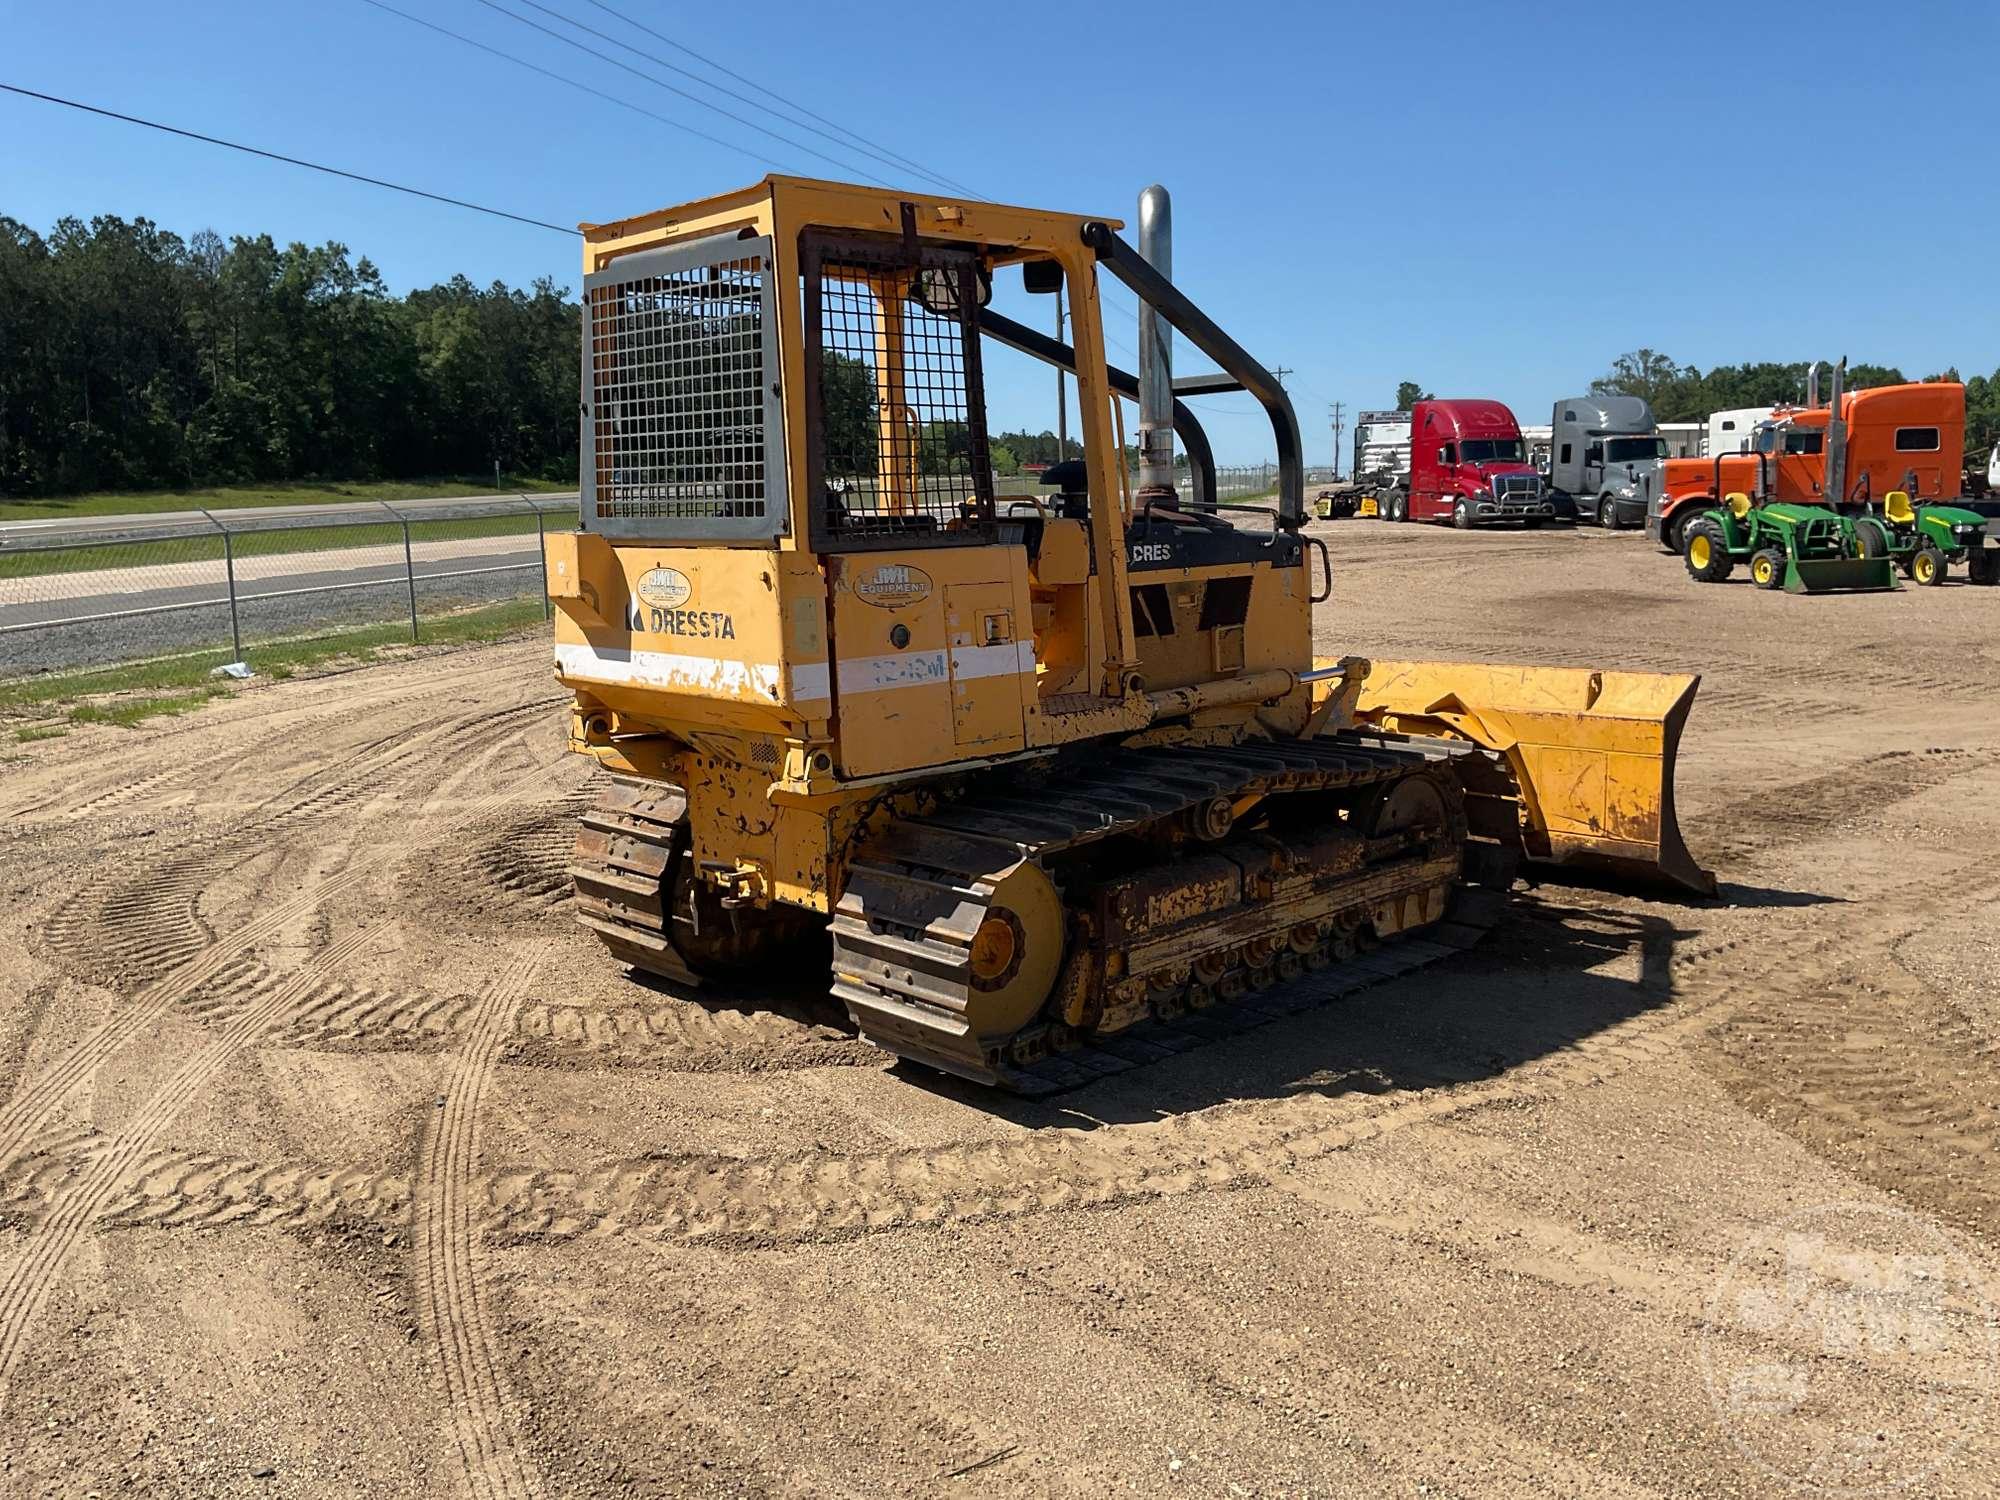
1469,465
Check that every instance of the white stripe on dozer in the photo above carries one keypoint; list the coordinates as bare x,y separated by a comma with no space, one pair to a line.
865,674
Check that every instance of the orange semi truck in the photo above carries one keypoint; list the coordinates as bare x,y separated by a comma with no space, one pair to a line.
1891,437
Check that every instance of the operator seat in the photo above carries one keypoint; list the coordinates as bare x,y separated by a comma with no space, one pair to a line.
1897,508
1072,484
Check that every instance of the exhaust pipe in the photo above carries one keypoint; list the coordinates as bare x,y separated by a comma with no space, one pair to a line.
1835,493
1812,385
1156,350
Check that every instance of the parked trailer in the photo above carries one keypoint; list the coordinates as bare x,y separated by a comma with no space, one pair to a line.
1607,456
1734,431
1381,450
1684,439
1538,437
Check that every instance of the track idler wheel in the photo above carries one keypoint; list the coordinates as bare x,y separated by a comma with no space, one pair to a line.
1016,952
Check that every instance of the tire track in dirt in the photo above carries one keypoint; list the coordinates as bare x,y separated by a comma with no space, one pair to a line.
816,1196
75,793
1855,1070
674,1036
28,1281
26,1284
200,1189
153,921
1817,803
813,1196
37,1099
454,1307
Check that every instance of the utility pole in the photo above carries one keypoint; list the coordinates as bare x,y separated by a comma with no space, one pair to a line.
1281,372
1338,412
1062,398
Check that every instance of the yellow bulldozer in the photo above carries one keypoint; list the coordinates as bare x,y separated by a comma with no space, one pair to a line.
1043,766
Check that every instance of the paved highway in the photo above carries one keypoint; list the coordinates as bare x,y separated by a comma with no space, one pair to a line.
56,620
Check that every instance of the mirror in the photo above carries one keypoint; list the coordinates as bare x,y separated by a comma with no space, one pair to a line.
1042,276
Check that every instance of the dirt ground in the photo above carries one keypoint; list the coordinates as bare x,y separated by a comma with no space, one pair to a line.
336,1159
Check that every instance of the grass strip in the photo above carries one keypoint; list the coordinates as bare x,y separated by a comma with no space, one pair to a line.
178,684
235,496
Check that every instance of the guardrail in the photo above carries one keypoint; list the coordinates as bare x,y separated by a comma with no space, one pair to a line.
100,590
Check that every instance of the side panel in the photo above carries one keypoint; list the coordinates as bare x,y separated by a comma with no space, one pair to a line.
986,661
933,659
716,636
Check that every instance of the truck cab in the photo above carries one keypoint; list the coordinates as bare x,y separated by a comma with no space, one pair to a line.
1606,455
1469,465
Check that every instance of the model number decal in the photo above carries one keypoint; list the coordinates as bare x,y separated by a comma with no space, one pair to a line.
705,624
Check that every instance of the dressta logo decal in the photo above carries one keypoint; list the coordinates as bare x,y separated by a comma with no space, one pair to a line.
665,588
893,585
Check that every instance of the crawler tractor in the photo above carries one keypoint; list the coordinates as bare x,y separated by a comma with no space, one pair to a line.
1803,549
1041,769
1924,540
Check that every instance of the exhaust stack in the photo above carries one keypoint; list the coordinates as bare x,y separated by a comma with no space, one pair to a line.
1812,385
1835,493
1156,350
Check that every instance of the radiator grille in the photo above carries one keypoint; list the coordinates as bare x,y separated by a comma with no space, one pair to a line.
676,355
897,437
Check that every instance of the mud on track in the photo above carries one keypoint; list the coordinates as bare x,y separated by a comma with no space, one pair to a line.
333,1158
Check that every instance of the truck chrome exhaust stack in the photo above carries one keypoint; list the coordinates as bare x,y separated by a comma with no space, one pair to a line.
1812,385
1835,492
1156,349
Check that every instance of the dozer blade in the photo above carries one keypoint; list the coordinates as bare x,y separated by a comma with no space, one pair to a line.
1592,754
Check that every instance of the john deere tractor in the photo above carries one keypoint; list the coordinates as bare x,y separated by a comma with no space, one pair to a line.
1925,539
1803,549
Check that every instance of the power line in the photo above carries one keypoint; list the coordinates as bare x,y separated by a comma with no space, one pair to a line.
290,161
494,5
853,141
522,62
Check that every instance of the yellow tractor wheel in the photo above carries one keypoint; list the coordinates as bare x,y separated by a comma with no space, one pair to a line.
1928,567
1700,551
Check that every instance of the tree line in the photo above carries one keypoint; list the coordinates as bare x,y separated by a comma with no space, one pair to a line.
131,358
1683,393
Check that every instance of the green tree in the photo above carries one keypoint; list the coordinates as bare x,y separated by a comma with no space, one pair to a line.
849,410
1646,373
134,358
1004,461
1409,393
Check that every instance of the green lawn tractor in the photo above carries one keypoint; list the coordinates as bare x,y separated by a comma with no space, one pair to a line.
1925,540
1803,549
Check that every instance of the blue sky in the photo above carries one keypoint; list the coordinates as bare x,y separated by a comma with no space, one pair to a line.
1491,199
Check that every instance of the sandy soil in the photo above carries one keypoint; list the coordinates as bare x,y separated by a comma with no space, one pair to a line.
334,1158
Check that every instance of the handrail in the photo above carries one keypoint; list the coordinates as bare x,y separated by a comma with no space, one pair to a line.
1187,426
1165,298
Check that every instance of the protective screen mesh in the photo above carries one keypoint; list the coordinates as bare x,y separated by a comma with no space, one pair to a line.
902,446
677,396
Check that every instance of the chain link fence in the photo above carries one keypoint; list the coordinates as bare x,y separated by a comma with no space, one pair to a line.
100,591
115,589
